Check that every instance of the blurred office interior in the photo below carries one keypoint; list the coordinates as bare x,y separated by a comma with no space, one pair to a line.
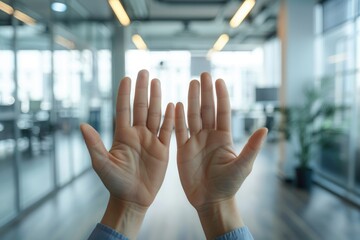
60,65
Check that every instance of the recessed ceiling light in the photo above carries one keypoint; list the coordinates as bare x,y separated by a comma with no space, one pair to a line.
120,12
139,42
58,7
221,42
241,13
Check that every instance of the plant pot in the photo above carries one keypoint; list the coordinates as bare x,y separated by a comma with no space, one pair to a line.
303,177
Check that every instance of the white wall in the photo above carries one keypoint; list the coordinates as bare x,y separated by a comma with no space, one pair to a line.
296,33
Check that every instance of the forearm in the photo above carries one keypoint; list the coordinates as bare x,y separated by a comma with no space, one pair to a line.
124,217
219,218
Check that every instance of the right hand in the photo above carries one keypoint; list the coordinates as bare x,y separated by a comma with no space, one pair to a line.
210,170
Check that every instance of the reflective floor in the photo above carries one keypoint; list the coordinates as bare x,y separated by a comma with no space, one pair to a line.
270,208
7,196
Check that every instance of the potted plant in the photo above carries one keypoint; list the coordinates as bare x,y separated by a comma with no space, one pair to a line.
304,123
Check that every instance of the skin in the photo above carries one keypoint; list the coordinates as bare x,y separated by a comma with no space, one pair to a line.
210,170
134,168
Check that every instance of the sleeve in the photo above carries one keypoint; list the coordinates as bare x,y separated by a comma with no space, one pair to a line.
237,234
102,232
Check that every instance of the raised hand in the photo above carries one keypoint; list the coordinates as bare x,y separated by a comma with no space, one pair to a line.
211,172
134,168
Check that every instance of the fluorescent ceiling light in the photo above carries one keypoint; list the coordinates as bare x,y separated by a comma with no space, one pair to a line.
24,17
17,14
120,12
6,8
58,7
66,43
241,13
139,42
221,42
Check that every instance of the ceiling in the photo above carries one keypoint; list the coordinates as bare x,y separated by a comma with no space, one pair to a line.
173,24
196,25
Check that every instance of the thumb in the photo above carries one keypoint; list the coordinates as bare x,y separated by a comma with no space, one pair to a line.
95,146
252,148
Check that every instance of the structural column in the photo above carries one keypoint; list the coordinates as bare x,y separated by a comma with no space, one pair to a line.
297,38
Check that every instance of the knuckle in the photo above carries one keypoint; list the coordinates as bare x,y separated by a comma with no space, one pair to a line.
140,105
122,109
193,115
154,114
223,112
207,107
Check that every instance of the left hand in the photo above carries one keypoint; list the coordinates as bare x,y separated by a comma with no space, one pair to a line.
211,172
134,168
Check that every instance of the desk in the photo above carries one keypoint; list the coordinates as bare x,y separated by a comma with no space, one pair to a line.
34,128
245,123
6,108
25,125
68,119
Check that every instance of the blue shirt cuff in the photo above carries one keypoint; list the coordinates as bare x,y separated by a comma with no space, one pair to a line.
102,232
242,233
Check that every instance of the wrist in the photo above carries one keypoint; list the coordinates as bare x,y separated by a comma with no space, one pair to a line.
124,217
219,218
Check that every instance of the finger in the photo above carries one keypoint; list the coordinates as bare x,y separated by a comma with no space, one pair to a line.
252,147
168,125
194,118
207,102
141,99
96,148
123,104
154,113
180,125
223,115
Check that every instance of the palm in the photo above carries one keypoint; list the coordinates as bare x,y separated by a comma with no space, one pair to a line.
209,169
134,168
207,172
137,166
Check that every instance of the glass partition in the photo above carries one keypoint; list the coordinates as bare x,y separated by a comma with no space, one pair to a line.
338,81
73,81
65,114
105,88
357,94
357,147
7,120
335,158
337,64
87,107
35,143
50,82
